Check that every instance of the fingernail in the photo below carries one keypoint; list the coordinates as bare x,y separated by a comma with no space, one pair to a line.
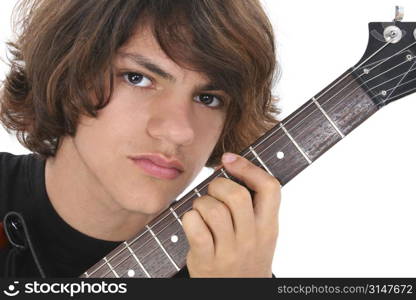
228,157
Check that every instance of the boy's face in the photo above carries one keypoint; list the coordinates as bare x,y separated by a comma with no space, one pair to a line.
149,114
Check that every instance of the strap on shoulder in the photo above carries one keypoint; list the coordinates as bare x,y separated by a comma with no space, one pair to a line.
17,233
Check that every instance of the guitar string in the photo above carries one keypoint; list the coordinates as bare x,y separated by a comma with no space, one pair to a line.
401,94
386,59
333,108
352,81
404,76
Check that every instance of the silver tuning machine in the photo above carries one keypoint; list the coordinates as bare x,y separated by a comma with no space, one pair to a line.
392,34
398,17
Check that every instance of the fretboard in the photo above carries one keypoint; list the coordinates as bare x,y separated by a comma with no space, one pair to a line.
160,249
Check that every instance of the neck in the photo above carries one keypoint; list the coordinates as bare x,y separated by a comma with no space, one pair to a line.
82,202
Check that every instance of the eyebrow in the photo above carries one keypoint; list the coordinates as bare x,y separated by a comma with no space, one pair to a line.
147,63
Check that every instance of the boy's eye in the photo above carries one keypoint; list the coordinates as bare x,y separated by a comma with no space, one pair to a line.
209,100
137,79
140,80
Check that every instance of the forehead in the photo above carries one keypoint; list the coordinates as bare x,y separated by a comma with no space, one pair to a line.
142,43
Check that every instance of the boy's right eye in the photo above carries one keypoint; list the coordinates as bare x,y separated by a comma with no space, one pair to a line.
137,79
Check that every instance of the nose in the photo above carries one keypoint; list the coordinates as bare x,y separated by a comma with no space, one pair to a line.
171,121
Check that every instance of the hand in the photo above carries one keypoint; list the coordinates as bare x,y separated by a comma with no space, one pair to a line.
229,233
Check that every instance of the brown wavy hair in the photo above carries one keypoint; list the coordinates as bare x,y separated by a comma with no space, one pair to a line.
64,51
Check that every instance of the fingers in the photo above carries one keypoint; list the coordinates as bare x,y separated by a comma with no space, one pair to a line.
230,231
238,199
218,221
266,200
198,234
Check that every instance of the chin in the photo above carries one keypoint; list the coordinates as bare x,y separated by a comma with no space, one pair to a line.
144,205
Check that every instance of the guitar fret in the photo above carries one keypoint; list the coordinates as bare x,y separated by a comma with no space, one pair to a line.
163,248
111,267
137,260
176,216
295,143
328,118
97,269
224,173
197,192
260,160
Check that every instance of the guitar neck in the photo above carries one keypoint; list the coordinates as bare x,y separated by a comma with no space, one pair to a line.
160,249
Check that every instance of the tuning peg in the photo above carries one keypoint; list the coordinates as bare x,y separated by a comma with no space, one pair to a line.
399,14
392,34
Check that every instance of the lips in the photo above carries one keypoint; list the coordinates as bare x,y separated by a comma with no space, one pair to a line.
158,165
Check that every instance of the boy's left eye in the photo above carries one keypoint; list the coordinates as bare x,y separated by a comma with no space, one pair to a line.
209,100
137,79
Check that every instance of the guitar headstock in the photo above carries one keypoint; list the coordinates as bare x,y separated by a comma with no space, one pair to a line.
387,69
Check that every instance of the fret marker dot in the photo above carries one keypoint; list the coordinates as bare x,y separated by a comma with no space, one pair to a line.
174,238
280,155
131,273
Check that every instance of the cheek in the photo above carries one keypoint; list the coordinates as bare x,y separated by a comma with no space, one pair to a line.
103,141
210,132
214,127
102,135
120,122
103,149
96,142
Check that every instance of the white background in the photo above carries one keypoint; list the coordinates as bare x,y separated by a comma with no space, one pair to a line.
352,213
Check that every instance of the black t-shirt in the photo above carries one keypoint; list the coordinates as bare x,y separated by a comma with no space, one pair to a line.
62,250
